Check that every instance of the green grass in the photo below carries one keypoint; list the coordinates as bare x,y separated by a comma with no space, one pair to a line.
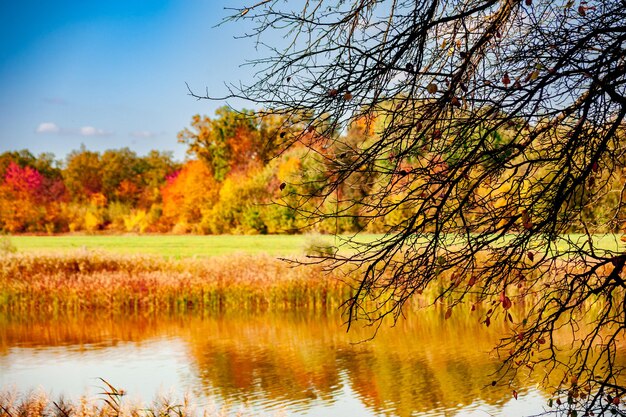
175,246
186,246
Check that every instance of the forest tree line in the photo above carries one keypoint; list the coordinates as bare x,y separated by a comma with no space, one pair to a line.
228,184
232,182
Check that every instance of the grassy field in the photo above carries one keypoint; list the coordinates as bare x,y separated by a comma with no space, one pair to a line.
174,246
171,273
187,246
163,273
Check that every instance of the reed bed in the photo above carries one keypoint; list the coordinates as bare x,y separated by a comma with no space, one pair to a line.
110,403
89,281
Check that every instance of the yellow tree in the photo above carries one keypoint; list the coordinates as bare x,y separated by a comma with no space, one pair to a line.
187,193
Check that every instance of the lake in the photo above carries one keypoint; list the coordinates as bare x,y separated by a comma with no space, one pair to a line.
269,364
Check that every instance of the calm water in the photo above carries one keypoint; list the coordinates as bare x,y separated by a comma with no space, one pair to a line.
270,364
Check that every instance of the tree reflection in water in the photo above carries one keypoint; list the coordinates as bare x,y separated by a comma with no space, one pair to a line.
296,362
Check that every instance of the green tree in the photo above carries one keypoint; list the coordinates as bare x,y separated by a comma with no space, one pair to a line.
121,175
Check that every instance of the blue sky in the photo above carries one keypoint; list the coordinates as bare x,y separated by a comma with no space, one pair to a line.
109,74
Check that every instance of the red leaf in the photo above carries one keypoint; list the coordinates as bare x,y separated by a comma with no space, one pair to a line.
282,186
515,394
448,313
25,180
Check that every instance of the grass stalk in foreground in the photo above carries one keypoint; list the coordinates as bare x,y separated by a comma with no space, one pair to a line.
110,403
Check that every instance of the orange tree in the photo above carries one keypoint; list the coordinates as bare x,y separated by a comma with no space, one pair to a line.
500,126
186,193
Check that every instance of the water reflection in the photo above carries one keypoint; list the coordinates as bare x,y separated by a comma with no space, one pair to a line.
296,363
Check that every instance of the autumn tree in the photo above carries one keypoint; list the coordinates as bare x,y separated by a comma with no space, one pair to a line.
232,142
499,125
187,193
44,163
82,173
31,192
29,201
154,169
20,198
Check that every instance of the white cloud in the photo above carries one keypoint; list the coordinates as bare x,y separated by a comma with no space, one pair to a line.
144,134
86,131
48,127
92,131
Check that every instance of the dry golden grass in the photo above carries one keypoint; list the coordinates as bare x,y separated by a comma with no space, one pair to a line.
85,281
111,403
